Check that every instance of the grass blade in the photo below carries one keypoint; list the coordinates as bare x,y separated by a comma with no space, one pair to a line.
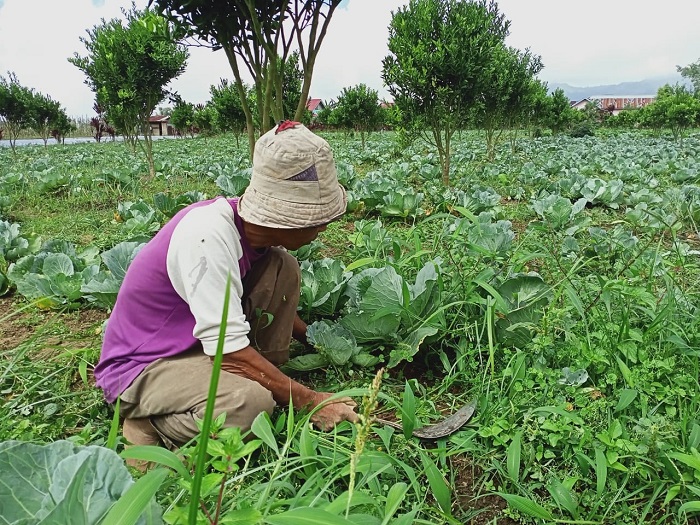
408,411
438,485
513,457
262,428
114,427
527,506
601,471
157,454
306,516
209,410
129,508
563,497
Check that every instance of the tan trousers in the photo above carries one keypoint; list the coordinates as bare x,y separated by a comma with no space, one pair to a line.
173,391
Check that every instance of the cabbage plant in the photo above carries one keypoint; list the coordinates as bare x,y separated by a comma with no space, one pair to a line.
63,483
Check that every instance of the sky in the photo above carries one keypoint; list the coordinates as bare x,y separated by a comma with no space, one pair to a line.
581,43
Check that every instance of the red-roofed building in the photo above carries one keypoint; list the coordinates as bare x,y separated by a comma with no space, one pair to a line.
615,104
315,105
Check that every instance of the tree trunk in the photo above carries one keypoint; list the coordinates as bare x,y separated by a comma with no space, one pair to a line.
249,124
308,58
443,147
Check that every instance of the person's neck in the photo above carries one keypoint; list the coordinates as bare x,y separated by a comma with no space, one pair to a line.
259,236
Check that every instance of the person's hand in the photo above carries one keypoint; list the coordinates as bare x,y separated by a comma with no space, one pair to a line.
333,412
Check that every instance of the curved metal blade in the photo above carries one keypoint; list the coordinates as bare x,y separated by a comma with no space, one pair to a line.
447,426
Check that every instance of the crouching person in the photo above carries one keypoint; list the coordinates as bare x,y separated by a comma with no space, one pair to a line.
162,335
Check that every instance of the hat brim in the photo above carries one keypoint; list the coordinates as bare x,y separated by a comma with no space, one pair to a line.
264,210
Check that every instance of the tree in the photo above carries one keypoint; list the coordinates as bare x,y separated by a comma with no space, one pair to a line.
558,113
128,66
229,111
261,34
204,119
61,127
692,73
358,108
46,115
182,117
324,117
675,108
626,119
440,52
508,93
15,107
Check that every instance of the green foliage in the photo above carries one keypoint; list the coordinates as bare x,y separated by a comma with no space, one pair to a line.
182,117
358,108
128,66
260,35
14,245
675,109
15,107
227,103
440,53
103,287
204,119
524,296
572,323
169,206
322,285
557,113
509,93
65,484
47,117
691,72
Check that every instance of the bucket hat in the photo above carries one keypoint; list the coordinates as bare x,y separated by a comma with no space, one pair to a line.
294,183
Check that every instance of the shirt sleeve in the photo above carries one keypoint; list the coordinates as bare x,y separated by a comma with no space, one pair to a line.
204,250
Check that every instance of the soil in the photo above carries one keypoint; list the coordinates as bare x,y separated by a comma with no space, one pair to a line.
484,509
18,324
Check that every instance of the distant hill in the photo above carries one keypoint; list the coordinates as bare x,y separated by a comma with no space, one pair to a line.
643,87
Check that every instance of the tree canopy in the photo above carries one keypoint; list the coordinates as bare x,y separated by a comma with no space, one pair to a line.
692,73
22,107
358,108
128,66
15,107
441,52
262,35
675,109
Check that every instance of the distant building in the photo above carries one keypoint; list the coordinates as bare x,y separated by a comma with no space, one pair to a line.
315,105
615,104
160,125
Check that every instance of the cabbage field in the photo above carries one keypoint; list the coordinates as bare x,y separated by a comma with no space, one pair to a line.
557,286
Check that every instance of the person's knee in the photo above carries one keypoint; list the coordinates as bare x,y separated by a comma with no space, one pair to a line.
243,407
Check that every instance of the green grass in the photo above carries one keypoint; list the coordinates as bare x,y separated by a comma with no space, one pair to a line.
624,308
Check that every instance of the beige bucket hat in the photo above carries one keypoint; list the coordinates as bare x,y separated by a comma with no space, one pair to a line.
294,183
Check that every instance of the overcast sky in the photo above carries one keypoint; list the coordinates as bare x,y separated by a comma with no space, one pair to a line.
581,43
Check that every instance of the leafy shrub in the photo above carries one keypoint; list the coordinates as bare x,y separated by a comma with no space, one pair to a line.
583,129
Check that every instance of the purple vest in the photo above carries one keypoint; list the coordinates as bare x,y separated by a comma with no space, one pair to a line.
150,320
